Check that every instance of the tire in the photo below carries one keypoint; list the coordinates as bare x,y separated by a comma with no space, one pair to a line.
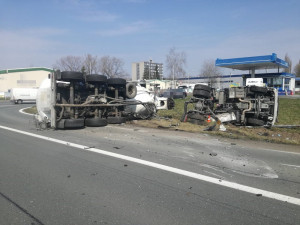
19,101
70,123
116,81
170,103
71,76
202,87
196,116
131,90
262,90
255,122
95,78
116,120
95,122
201,94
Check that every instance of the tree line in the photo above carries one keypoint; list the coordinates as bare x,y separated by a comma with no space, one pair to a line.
175,64
89,64
296,70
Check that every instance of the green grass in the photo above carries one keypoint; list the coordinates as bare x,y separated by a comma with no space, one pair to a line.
288,112
31,110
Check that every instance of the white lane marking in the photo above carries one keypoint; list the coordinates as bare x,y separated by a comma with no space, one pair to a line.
22,111
213,180
290,165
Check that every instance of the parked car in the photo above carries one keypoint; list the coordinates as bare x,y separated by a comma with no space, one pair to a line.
174,93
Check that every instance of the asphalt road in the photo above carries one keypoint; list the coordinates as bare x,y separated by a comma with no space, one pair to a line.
132,175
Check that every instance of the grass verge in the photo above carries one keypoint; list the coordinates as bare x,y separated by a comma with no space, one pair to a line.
289,114
31,110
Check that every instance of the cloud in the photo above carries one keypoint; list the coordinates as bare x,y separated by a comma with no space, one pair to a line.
23,48
247,44
135,1
88,11
132,28
97,16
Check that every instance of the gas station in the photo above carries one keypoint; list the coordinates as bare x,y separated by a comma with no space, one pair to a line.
283,82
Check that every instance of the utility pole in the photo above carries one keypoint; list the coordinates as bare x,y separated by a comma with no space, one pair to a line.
150,61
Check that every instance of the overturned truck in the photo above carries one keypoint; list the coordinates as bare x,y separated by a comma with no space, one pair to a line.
71,100
248,105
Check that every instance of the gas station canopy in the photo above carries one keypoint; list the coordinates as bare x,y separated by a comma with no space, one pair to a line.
253,63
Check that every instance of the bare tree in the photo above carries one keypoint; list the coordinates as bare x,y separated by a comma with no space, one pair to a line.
90,64
297,69
289,61
210,71
69,63
112,67
176,62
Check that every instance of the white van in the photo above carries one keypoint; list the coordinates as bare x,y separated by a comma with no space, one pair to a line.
20,95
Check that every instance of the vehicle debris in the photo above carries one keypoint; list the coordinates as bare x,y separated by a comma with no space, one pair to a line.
241,106
150,104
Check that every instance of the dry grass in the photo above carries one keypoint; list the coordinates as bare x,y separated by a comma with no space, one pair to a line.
274,135
289,111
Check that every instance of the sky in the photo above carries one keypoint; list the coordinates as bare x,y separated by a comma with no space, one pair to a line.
37,33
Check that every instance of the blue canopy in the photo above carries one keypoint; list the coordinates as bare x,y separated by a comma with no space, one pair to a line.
253,63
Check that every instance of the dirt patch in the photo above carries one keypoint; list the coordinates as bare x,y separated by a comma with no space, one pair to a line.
273,135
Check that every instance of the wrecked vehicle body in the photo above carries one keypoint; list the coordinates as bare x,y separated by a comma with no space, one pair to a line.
150,104
249,105
71,100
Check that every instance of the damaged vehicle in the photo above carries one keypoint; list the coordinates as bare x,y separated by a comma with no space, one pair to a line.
251,105
69,100
151,103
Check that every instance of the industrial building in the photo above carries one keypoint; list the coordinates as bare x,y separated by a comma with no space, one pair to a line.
146,70
22,78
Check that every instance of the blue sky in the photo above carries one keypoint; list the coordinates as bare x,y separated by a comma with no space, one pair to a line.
37,33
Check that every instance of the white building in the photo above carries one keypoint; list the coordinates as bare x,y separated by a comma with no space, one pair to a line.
141,71
22,78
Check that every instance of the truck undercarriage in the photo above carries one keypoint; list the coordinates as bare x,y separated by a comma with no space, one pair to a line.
250,105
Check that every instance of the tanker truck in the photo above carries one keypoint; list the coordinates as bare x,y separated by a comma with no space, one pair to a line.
69,100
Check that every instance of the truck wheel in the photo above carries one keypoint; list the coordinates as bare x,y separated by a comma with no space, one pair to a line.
116,120
255,122
201,94
202,87
170,103
19,101
70,123
131,90
71,76
95,122
96,78
262,90
116,81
